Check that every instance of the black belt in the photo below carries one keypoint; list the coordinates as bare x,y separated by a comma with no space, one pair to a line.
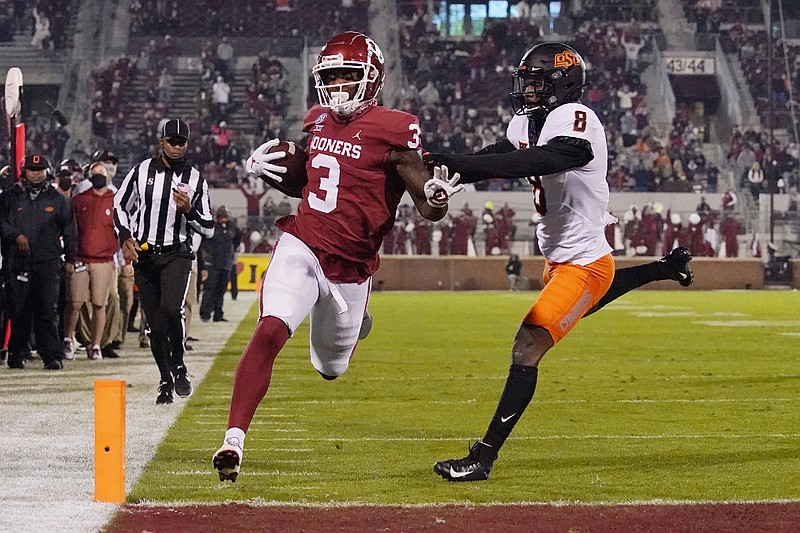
160,248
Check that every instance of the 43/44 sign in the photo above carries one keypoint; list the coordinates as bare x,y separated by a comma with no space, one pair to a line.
690,66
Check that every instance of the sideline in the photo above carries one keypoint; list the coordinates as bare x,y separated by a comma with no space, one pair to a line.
47,433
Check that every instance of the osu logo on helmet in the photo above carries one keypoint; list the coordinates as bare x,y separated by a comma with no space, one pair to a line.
565,59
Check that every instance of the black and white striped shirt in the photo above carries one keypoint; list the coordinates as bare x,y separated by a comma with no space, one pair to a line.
144,209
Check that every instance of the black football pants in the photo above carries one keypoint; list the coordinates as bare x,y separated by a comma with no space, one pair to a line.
32,305
163,280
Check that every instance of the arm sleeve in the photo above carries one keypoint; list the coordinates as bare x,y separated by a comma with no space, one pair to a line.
558,155
125,201
199,216
503,147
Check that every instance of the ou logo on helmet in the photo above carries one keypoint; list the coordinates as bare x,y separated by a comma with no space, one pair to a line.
372,46
565,59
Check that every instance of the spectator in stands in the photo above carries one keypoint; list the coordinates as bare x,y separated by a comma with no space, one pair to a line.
625,96
222,140
729,201
225,61
41,34
220,98
755,179
165,83
744,162
632,44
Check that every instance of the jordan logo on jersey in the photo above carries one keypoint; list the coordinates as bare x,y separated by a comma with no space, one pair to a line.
357,135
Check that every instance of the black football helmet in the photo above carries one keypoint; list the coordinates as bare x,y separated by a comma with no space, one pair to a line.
549,75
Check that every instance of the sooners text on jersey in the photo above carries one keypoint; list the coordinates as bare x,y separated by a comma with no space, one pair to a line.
352,194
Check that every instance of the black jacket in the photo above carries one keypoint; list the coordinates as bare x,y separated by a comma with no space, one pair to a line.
43,221
514,266
218,251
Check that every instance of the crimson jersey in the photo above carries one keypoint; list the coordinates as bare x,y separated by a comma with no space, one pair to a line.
352,194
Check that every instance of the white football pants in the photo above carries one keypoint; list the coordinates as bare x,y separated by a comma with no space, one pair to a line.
295,286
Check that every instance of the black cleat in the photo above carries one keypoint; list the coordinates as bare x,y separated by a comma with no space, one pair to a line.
164,393
474,467
183,387
678,261
109,353
55,364
227,460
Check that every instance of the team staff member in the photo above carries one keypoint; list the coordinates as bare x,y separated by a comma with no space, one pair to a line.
34,218
218,260
160,204
96,273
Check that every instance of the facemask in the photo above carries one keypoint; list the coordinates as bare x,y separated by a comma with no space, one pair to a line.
64,182
98,181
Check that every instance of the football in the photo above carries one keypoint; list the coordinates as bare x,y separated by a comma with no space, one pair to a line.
295,177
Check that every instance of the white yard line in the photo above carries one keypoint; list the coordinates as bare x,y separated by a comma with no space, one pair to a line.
47,421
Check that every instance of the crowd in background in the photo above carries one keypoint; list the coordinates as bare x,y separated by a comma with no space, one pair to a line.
253,18
457,87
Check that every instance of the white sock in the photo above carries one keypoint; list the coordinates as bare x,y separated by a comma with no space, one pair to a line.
236,433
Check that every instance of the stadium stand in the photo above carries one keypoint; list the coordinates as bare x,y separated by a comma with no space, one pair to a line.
454,73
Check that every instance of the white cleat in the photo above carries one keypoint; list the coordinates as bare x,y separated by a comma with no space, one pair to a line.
227,459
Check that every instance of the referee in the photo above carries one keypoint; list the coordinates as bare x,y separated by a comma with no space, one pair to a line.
161,203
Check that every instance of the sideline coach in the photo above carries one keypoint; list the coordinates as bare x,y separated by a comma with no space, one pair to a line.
161,203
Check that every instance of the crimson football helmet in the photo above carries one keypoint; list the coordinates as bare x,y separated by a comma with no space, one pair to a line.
554,72
349,51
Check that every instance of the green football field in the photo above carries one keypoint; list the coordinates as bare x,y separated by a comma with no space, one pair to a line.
678,396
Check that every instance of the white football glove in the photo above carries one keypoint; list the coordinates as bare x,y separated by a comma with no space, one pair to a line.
439,189
259,163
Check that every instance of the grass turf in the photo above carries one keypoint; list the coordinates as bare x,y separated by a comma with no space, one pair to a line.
688,396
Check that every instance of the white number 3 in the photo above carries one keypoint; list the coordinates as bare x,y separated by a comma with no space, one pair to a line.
414,142
329,184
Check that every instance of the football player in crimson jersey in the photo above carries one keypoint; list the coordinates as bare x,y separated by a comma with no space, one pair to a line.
559,145
362,158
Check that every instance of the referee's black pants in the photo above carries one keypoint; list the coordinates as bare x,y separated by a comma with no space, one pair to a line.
163,279
32,300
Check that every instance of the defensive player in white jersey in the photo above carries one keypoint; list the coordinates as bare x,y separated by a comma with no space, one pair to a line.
559,145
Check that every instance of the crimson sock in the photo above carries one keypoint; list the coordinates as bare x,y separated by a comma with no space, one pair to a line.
254,370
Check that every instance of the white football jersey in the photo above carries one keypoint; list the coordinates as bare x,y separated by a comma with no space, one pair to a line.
573,204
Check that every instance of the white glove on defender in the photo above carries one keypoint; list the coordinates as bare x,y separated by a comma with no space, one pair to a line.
439,189
259,163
